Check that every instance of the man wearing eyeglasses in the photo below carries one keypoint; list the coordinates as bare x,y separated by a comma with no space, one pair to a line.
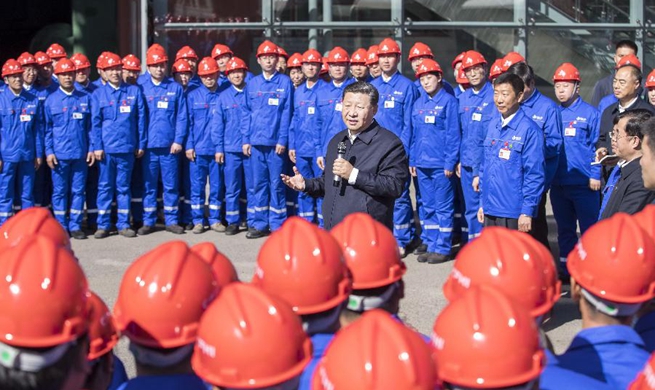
625,191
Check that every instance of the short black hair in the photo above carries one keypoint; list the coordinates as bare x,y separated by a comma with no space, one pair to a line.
636,120
629,44
510,78
636,72
524,71
365,88
648,129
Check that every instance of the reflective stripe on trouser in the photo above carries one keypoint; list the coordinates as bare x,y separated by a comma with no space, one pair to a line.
236,174
269,198
471,205
16,181
185,215
92,175
43,186
136,186
156,161
115,176
68,184
573,204
307,205
438,195
403,218
202,168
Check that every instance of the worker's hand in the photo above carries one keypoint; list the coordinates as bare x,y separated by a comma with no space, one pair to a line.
139,153
279,149
90,159
246,150
219,158
412,171
296,182
476,184
447,173
37,163
480,215
191,154
100,154
320,161
600,153
594,184
525,223
342,168
458,170
51,160
292,155
176,148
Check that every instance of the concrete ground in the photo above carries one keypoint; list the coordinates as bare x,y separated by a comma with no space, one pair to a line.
105,261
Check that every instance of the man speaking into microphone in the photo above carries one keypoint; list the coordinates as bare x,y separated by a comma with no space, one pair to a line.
366,165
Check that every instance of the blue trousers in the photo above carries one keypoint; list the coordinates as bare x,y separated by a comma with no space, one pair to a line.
307,205
437,194
471,205
115,176
199,170
237,171
136,184
185,214
573,205
16,180
92,176
403,218
156,161
270,200
68,186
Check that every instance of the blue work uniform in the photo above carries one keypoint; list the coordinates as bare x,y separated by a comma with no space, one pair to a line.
397,96
92,172
557,378
606,102
320,342
302,139
67,137
613,354
512,173
476,110
43,176
166,382
98,83
119,375
572,200
167,124
88,88
119,129
434,148
268,112
21,141
645,326
202,105
459,90
444,84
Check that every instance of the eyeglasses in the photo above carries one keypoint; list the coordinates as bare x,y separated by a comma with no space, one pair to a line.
614,135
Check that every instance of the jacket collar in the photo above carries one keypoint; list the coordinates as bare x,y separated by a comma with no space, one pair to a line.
606,335
533,99
367,134
513,123
630,168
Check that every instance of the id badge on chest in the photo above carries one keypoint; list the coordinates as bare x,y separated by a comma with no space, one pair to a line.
504,153
569,132
162,104
338,107
77,115
25,118
429,119
125,109
273,102
476,117
389,104
310,110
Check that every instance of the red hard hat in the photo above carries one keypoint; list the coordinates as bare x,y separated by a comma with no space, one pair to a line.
376,352
11,67
32,221
359,57
551,278
64,66
428,66
650,80
81,61
324,67
461,77
501,258
131,62
267,47
512,58
223,268
370,250
295,61
420,49
100,62
646,379
181,66
249,339
566,72
309,274
282,53
162,296
615,260
630,59
471,59
219,50
56,51
338,55
26,59
186,52
111,60
156,47
102,332
155,57
486,340
42,295
457,59
372,55
235,63
496,69
388,46
312,55
207,66
42,58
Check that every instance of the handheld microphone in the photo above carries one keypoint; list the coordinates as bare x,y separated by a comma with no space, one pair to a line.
341,150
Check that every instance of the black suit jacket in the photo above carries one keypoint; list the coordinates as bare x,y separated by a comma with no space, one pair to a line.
607,121
380,157
629,194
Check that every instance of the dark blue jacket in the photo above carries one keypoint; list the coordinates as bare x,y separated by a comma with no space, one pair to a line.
476,110
512,172
90,87
231,121
68,125
320,342
201,103
397,98
305,121
329,107
268,108
21,126
167,113
645,326
166,382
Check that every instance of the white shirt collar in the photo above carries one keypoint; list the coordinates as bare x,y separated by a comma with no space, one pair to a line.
67,93
386,79
505,121
633,101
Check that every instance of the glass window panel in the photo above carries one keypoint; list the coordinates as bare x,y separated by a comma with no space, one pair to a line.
462,10
181,11
242,42
588,11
